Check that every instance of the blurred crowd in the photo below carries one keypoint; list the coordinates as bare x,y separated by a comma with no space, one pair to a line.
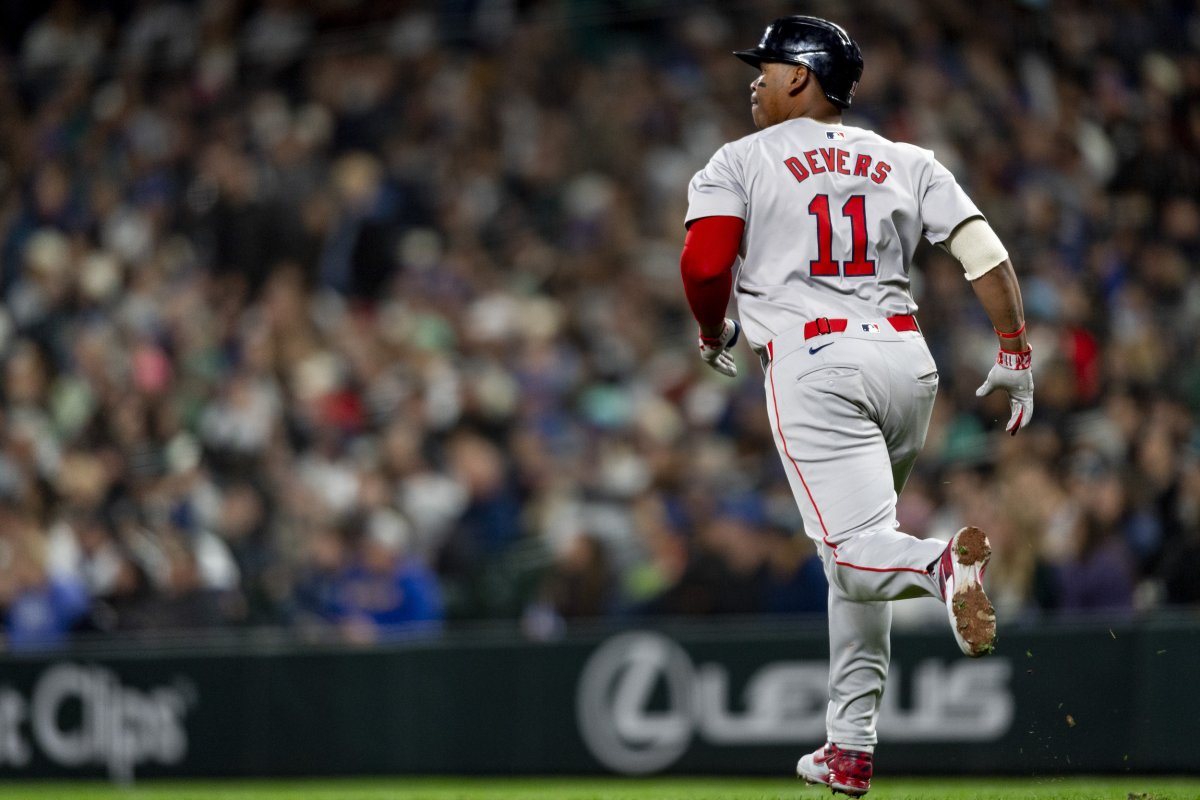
359,318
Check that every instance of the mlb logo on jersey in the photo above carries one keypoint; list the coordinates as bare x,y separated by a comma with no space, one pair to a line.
870,327
835,134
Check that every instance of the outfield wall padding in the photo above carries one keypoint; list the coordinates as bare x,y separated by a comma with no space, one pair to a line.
732,699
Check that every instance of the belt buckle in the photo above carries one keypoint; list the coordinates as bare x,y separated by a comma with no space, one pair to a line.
823,326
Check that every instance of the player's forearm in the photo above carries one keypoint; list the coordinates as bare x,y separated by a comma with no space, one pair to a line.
1000,295
708,300
706,266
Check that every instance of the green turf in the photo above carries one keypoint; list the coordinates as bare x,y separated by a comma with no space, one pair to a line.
1125,788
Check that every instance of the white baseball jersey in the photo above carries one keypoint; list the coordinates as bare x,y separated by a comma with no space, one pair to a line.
833,216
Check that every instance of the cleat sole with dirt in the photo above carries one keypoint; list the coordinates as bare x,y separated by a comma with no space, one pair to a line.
971,613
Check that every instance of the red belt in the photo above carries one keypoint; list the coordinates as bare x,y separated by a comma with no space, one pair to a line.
819,327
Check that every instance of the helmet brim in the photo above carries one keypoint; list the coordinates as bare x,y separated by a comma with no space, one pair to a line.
754,56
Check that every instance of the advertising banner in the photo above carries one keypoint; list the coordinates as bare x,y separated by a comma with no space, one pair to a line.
710,700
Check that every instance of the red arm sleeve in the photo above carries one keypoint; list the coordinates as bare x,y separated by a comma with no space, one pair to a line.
709,250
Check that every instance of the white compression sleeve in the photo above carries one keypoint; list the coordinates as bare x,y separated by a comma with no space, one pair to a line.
977,247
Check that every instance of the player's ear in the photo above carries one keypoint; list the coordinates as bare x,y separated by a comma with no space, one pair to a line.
799,79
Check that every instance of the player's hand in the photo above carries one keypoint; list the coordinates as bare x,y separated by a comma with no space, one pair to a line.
715,352
1013,372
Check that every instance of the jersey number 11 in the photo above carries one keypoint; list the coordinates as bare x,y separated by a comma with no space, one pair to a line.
825,265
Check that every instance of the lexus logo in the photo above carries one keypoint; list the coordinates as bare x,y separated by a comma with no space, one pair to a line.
614,692
640,701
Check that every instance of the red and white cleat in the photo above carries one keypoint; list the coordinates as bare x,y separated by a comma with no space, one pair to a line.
845,771
960,576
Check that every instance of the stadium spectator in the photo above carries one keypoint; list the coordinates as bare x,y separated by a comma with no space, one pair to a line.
273,270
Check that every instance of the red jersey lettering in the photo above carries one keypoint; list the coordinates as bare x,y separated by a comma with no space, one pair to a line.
827,157
811,157
842,155
797,168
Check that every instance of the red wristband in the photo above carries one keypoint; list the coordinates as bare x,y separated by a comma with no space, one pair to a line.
1010,359
1012,335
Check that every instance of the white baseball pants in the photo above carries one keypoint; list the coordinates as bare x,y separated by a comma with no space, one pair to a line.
850,412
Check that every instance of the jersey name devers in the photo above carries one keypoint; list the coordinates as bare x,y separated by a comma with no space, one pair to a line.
835,159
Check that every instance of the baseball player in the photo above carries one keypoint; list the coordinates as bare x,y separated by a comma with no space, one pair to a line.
814,223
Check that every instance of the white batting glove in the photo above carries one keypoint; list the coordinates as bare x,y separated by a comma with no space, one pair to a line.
1013,372
715,352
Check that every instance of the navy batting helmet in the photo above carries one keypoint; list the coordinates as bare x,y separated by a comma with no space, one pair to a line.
818,44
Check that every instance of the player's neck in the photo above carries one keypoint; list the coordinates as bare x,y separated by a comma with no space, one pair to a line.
828,118
825,118
816,108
